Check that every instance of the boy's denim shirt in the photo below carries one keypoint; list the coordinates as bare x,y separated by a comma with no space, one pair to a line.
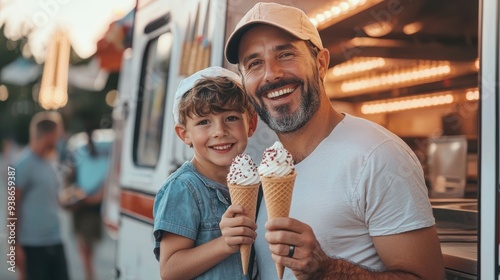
191,205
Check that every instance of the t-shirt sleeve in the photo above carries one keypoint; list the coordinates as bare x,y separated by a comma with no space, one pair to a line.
175,210
22,174
394,196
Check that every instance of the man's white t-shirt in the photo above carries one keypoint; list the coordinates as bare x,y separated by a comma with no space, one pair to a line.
361,181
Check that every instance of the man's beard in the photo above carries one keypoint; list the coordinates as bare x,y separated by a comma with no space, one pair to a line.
287,121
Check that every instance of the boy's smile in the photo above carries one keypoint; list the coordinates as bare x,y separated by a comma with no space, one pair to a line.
216,139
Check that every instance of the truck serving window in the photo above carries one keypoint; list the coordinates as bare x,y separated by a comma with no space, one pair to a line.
151,101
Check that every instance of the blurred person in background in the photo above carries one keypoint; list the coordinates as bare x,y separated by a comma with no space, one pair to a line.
88,160
39,248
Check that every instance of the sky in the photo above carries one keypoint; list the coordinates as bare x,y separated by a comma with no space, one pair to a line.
85,20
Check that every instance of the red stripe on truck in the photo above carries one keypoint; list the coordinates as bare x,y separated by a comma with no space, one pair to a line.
137,204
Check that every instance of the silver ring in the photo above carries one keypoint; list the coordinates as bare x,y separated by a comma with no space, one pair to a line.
291,251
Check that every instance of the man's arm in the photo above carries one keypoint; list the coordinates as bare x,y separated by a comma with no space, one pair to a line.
410,255
20,256
417,252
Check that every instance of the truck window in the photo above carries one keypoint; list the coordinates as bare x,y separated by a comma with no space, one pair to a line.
151,101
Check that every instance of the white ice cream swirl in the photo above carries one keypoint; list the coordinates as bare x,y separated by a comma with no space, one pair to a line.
276,162
243,171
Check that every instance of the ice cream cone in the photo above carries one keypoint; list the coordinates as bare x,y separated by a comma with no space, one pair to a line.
278,197
245,196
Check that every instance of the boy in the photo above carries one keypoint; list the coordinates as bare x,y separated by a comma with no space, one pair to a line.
215,118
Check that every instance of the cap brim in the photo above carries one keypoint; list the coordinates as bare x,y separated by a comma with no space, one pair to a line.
233,42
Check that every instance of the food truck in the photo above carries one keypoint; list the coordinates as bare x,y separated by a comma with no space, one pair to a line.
427,70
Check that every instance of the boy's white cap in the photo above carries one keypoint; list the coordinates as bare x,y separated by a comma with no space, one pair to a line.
188,83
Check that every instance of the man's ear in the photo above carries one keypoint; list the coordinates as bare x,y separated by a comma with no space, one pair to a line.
323,60
252,125
183,134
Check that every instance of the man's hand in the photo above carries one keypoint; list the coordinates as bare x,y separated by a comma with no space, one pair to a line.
237,228
20,263
308,260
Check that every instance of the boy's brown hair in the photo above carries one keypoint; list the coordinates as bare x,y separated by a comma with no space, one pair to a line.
214,95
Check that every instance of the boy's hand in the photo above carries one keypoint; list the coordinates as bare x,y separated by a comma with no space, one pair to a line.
237,228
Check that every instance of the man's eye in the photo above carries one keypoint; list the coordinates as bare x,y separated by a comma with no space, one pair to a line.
253,64
286,55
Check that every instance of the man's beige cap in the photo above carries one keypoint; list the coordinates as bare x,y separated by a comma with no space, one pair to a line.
290,19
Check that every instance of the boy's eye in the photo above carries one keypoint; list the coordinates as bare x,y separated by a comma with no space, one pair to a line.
232,118
202,122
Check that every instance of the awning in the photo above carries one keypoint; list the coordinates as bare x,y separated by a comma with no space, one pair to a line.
111,46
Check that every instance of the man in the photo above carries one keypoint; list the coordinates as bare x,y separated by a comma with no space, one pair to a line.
360,207
39,250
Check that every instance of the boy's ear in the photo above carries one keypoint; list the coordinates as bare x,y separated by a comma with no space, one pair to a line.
183,134
252,125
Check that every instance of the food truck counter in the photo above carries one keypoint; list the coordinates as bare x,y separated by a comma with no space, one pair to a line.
456,223
460,259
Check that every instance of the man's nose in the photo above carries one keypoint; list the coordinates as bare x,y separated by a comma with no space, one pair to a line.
273,69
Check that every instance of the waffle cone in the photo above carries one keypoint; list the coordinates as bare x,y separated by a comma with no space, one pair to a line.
245,196
278,197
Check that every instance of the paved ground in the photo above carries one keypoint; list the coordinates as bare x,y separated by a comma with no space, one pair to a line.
104,259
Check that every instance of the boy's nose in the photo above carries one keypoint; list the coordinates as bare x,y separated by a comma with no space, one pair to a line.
219,129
